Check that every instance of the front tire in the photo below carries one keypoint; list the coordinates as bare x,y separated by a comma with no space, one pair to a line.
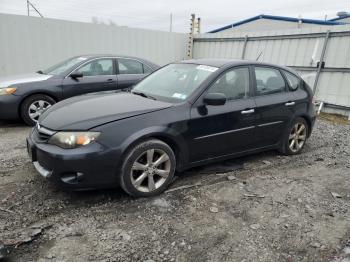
148,169
295,137
33,106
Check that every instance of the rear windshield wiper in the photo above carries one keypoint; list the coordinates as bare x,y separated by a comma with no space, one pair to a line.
143,94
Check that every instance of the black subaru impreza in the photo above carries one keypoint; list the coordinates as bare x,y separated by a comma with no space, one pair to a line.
183,115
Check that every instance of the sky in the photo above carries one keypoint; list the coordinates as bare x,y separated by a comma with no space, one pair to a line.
155,14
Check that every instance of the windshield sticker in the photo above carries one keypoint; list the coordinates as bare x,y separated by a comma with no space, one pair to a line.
207,68
180,96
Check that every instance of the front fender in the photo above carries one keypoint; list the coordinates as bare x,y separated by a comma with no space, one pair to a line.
167,134
52,87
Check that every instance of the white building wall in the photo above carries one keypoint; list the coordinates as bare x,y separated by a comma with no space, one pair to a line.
28,44
344,20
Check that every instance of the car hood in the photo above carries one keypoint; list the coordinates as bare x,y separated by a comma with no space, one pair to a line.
88,111
7,81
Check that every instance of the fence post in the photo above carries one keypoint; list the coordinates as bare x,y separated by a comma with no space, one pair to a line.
314,88
244,46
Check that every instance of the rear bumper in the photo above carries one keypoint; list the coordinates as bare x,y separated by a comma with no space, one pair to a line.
9,105
312,123
312,118
88,167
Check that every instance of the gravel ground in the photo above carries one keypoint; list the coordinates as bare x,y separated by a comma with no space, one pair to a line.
275,208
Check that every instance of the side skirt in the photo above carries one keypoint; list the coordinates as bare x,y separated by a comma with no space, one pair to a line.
225,157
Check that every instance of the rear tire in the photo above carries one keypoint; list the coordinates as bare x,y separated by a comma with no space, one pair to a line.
295,137
148,168
33,106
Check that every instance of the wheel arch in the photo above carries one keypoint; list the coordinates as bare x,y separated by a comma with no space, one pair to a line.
33,94
176,143
308,122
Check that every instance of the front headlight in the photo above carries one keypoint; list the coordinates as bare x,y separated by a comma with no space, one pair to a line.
7,90
69,140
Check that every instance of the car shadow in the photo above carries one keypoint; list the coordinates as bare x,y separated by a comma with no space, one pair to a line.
189,177
12,123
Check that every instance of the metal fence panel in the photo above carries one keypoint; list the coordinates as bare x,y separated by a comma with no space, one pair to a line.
298,48
31,43
338,52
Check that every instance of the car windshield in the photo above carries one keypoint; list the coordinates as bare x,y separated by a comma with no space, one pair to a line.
63,66
174,82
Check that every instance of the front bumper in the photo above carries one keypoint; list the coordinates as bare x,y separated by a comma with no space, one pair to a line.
9,106
89,167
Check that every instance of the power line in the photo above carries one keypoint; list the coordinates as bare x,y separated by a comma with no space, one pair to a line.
28,7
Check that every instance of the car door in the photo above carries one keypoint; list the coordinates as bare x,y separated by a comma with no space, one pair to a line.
97,75
225,129
275,105
130,72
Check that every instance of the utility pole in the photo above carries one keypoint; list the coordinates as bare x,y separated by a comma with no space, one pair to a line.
195,27
171,23
27,7
190,36
198,25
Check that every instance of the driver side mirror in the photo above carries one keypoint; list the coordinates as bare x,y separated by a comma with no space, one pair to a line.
215,99
76,75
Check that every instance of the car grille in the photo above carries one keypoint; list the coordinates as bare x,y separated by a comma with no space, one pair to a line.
41,134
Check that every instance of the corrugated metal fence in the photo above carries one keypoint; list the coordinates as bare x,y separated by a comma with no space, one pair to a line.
28,44
301,49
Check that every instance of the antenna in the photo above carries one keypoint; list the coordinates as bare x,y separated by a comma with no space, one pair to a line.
300,21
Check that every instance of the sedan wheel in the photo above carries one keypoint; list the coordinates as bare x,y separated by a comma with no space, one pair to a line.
148,168
34,106
37,108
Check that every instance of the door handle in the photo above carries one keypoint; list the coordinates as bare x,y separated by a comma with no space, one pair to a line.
110,80
290,103
248,111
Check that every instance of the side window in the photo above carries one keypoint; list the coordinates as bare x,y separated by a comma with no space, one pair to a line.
129,66
234,84
97,67
147,69
293,81
269,81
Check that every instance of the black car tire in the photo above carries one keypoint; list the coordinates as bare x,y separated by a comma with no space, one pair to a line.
288,136
127,176
28,102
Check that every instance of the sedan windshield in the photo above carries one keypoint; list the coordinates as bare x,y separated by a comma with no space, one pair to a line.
174,82
63,66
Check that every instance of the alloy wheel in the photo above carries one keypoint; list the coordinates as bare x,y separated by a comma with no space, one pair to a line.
297,137
36,109
150,170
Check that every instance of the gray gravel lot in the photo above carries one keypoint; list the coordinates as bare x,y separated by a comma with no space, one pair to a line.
275,208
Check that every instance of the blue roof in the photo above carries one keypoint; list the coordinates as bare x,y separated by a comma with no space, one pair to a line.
279,18
339,18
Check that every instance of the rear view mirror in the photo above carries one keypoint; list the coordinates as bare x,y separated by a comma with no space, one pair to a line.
76,75
215,99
